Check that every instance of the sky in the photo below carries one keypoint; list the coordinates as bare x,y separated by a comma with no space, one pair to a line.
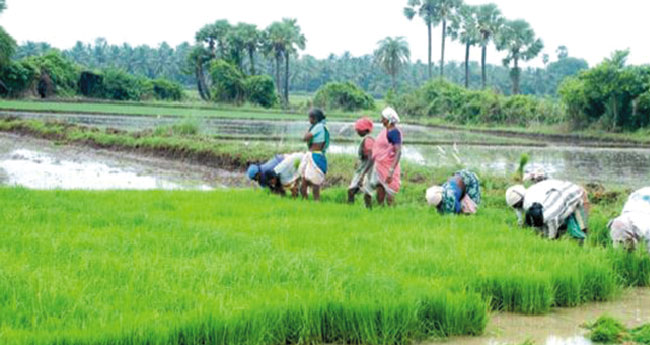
591,29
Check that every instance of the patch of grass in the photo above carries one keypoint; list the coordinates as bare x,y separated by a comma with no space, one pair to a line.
244,267
606,330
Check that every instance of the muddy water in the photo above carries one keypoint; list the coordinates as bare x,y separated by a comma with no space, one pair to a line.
625,167
39,164
562,326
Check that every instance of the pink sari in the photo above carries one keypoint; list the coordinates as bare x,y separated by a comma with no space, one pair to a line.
383,154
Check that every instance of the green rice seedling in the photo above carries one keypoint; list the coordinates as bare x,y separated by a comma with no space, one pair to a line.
606,330
245,267
521,168
640,334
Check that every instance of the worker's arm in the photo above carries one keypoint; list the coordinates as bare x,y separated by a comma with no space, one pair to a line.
398,156
551,228
308,136
520,216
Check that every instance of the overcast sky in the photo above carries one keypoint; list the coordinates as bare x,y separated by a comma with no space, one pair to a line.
591,29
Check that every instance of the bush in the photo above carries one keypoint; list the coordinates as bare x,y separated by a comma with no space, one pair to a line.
18,78
167,90
608,94
440,98
119,85
227,81
343,96
261,90
91,84
58,75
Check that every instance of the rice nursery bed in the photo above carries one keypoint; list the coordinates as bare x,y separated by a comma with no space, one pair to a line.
245,267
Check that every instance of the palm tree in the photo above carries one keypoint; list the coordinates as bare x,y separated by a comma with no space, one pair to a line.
274,46
251,39
464,28
391,55
196,60
425,9
444,11
489,21
3,5
518,38
215,36
296,40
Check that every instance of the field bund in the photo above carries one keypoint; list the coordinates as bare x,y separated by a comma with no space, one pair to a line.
243,267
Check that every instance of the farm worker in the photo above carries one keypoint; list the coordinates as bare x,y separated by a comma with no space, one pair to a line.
314,164
550,205
278,174
461,194
633,225
384,176
363,127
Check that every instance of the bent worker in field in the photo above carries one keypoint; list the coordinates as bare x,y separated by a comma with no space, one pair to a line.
384,179
633,225
363,127
461,194
551,205
278,174
314,164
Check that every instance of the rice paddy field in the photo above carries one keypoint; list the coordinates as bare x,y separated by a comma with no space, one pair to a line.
245,267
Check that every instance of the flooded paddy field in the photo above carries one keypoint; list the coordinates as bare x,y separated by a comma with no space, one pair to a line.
498,155
40,164
562,325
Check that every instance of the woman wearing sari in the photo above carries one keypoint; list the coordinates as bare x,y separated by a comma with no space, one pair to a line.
314,164
384,179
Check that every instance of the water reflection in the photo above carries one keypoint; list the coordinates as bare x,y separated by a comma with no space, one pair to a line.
611,166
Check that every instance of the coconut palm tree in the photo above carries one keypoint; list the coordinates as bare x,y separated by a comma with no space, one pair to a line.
275,44
391,55
517,37
425,9
464,28
282,39
489,21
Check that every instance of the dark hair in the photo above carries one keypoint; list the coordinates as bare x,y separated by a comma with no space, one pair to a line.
535,215
317,114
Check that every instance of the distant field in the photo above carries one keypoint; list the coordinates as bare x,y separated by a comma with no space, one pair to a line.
159,109
242,267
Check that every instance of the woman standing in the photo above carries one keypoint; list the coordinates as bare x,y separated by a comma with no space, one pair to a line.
384,180
314,165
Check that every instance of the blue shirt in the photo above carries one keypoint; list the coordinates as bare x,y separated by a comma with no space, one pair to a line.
267,171
394,136
318,132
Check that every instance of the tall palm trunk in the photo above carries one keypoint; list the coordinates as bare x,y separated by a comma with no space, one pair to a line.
483,62
467,47
251,57
515,77
278,81
442,50
204,92
286,79
430,67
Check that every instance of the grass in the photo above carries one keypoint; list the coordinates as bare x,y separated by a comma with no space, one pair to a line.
607,330
244,267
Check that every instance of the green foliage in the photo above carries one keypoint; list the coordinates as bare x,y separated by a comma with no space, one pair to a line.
91,84
640,334
260,90
606,330
391,55
7,47
120,85
18,78
186,127
167,90
343,96
63,73
611,95
442,99
227,82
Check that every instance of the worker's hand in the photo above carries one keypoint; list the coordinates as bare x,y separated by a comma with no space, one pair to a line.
389,179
